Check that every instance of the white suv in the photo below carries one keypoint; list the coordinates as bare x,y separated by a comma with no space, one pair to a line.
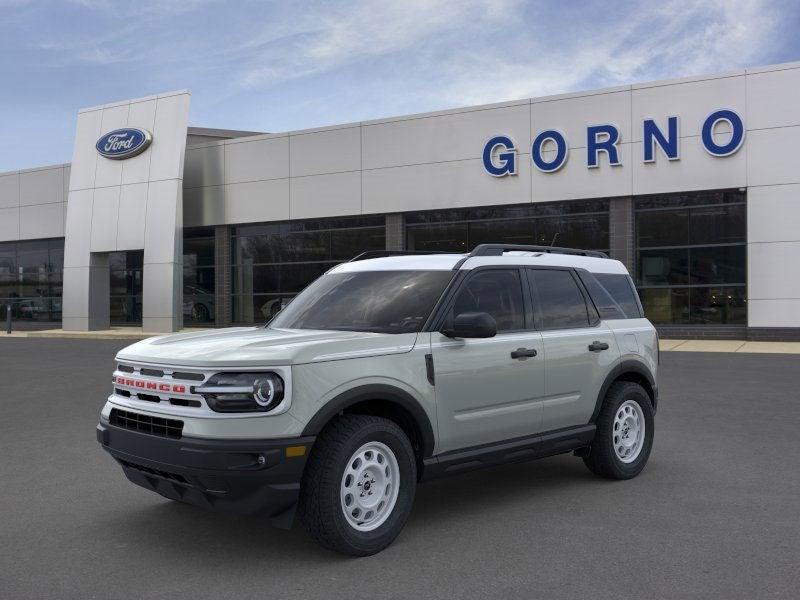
387,371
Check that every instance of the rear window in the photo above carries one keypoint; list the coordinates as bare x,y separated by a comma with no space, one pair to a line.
560,301
613,295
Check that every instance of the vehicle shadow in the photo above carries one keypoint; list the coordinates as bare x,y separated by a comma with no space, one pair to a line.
202,536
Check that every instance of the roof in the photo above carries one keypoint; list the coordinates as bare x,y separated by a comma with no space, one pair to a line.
406,262
446,262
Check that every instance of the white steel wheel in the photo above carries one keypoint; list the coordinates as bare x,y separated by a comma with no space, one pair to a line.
370,485
629,431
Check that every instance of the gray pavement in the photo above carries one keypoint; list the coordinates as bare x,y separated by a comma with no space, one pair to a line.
716,514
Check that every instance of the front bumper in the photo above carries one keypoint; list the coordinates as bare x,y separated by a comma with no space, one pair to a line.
251,477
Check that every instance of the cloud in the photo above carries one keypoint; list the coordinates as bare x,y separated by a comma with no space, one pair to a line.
468,51
326,38
455,53
143,8
275,65
667,41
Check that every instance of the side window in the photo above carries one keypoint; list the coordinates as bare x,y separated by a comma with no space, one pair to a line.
494,291
620,288
560,301
607,306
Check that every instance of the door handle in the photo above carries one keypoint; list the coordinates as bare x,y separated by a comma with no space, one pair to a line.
597,346
523,353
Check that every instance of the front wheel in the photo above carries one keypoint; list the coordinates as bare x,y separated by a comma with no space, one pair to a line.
200,313
359,484
624,435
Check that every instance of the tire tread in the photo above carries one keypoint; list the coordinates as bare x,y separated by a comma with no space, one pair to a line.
321,475
601,459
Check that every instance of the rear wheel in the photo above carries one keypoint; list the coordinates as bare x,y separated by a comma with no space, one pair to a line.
625,430
359,485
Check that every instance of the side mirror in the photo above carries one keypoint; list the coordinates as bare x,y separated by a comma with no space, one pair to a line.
472,325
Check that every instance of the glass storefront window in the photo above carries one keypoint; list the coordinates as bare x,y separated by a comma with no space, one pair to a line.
589,232
662,228
692,257
257,308
581,224
199,274
347,243
726,224
271,263
446,238
718,264
30,279
718,305
8,258
126,287
512,232
664,267
666,305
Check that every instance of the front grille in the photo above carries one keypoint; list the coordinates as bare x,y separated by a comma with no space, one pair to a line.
151,372
189,376
148,397
170,428
157,472
161,385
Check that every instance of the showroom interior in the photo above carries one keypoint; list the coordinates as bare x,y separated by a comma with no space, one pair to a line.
688,260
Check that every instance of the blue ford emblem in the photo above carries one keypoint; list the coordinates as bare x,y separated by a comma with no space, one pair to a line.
123,143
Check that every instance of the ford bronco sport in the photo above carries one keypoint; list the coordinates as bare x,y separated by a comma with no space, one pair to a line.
386,371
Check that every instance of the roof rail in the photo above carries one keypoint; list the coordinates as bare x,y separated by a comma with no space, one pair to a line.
384,253
499,249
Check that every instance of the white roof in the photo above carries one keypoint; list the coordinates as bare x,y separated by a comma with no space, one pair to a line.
406,262
446,262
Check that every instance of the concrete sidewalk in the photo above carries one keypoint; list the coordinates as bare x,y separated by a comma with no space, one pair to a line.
729,346
115,333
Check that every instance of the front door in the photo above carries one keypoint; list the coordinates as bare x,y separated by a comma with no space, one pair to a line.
483,393
579,349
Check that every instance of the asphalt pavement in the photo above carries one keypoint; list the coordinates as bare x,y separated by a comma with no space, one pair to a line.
716,513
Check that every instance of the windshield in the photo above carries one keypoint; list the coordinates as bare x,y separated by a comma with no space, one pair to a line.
379,301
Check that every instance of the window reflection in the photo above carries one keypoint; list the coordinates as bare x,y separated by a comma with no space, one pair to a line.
199,281
273,262
125,270
692,257
31,276
575,224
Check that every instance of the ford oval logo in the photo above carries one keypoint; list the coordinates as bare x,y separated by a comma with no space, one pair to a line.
123,143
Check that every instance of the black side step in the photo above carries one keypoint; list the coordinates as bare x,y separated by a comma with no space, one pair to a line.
519,449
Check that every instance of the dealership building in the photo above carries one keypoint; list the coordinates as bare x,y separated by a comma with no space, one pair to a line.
693,183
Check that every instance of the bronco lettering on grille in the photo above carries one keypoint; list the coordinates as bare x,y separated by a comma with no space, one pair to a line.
149,385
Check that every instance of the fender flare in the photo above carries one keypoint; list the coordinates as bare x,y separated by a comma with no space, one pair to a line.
376,391
623,368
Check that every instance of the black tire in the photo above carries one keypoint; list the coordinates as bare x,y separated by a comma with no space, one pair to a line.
320,507
602,459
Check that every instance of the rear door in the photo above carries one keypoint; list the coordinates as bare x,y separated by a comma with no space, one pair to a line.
485,394
579,349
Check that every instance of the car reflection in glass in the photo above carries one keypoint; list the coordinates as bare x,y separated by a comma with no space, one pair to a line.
198,304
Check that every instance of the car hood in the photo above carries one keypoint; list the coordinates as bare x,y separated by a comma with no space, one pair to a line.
257,346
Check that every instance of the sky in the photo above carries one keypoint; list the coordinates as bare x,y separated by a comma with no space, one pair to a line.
283,65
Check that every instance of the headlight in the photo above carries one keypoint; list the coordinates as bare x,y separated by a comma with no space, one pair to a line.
242,392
